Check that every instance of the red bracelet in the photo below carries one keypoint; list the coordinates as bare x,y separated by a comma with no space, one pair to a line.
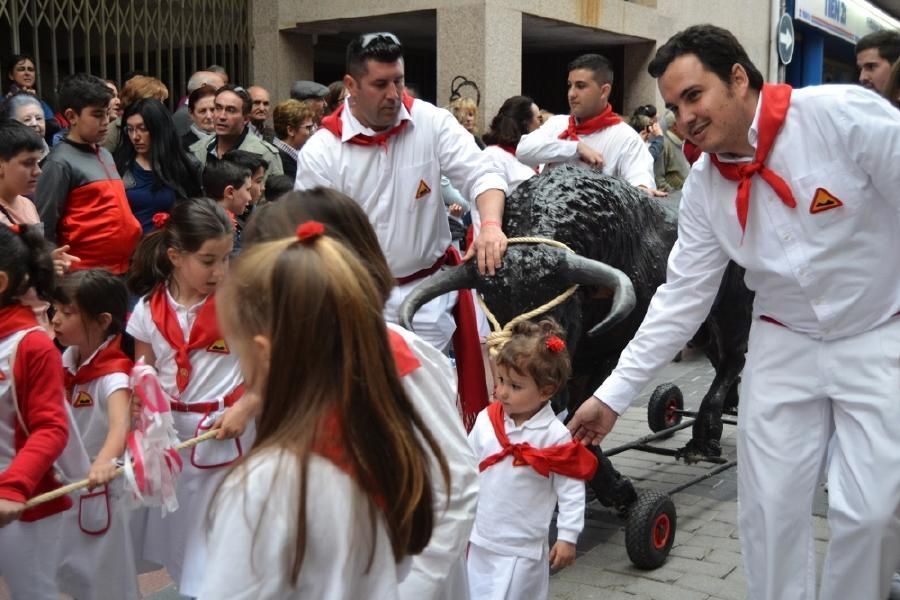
494,223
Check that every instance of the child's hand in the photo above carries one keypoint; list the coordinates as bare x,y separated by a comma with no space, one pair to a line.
102,472
233,421
10,511
62,260
562,554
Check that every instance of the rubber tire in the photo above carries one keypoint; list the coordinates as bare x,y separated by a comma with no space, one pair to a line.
658,417
650,529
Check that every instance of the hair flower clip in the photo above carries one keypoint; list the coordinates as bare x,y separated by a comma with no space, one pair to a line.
555,344
309,231
160,219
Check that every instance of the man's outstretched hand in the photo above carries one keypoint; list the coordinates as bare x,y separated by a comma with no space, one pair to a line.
592,421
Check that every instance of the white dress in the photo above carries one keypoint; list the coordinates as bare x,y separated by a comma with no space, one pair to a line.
254,533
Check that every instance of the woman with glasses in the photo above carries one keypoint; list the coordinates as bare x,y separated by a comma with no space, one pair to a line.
155,169
294,122
21,75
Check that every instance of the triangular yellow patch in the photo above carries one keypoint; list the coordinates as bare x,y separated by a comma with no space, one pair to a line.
423,189
824,200
218,346
82,399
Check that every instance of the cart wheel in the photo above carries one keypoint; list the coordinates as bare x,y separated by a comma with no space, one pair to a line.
662,411
650,529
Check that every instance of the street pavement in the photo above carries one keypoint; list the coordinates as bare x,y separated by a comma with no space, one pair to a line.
705,562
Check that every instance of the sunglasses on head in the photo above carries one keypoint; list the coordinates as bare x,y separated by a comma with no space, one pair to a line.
382,36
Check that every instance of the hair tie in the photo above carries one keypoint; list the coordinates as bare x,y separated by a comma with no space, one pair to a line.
555,344
160,219
309,231
15,228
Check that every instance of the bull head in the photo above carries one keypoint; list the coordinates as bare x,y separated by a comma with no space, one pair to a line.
572,269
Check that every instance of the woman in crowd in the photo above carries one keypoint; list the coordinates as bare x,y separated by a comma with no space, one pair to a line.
294,122
154,168
518,115
136,88
466,112
27,109
335,96
202,109
22,74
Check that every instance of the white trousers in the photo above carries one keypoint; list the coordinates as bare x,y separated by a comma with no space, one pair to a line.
495,576
796,393
29,557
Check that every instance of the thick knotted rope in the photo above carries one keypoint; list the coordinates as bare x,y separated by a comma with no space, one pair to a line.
501,334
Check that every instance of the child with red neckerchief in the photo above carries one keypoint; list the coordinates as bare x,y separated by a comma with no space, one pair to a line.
89,318
336,494
34,426
528,463
176,270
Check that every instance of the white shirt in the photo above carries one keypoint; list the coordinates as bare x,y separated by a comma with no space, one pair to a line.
828,275
516,504
255,527
400,188
89,400
438,572
514,172
625,154
215,371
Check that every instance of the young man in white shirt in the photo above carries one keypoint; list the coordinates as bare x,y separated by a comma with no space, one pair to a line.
800,188
387,151
592,133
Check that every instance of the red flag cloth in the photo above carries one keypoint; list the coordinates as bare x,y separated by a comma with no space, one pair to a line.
605,119
467,350
776,98
570,460
204,332
109,360
334,124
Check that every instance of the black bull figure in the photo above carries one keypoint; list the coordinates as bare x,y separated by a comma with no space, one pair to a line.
613,228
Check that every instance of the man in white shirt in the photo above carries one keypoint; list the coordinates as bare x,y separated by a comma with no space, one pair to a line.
387,151
592,133
814,220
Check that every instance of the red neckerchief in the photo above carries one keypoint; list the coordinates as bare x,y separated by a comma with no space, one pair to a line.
570,460
691,151
16,318
204,332
773,107
109,360
467,349
605,119
334,124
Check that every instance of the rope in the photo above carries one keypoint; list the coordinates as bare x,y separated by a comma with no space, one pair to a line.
74,487
501,334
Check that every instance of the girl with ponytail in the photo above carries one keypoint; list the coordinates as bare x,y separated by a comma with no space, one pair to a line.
176,269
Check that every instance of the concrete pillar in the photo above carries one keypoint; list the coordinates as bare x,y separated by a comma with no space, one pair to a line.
484,44
278,58
639,87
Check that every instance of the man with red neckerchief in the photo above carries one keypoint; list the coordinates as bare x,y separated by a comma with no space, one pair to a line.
592,133
387,151
800,188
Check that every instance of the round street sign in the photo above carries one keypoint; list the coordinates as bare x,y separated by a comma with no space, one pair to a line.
785,41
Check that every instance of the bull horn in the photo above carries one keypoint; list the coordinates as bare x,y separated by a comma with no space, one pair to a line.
585,271
443,282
